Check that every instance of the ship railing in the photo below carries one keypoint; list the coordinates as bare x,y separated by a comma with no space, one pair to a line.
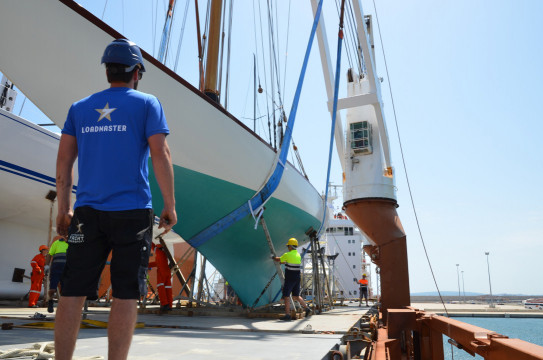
419,335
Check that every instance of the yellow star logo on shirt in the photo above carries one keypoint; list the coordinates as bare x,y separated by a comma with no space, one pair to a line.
105,112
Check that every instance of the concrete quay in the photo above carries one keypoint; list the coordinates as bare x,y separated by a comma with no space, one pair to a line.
478,310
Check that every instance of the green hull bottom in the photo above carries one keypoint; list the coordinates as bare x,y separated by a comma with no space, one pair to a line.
240,253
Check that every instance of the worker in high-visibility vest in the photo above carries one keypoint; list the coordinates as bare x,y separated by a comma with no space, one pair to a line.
163,277
363,289
36,277
292,261
58,260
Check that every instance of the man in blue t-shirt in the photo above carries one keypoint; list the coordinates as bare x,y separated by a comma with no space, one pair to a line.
112,133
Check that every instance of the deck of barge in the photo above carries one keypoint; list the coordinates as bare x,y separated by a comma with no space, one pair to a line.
199,337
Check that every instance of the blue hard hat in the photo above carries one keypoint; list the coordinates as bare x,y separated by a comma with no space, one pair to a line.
123,51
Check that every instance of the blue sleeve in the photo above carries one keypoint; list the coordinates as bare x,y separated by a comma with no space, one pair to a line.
69,126
156,120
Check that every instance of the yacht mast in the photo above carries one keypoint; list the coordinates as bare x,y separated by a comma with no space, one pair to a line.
210,80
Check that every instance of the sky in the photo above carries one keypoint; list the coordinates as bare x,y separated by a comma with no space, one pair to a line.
466,79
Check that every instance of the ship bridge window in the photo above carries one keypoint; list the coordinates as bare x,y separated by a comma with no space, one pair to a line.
361,137
348,231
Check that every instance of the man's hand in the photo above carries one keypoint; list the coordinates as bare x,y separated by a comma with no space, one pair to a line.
168,219
63,223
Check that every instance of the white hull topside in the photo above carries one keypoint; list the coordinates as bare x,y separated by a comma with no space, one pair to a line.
27,174
53,56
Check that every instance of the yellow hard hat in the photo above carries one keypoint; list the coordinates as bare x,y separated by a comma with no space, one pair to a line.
292,242
364,275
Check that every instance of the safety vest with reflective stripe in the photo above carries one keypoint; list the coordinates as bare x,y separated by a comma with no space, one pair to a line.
292,260
58,251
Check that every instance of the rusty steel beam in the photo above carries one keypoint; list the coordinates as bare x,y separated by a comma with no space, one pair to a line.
385,348
476,340
504,349
414,334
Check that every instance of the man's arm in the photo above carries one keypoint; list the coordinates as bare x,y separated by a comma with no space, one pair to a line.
67,153
278,259
162,166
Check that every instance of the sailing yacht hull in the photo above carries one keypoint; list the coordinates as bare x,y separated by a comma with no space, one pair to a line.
27,174
219,163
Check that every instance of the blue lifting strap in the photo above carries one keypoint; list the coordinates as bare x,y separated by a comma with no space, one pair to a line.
256,203
334,115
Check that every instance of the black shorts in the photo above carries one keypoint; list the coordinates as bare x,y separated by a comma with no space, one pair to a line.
92,235
292,284
364,292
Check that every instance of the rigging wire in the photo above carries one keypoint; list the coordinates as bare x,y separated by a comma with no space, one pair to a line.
200,47
22,106
223,24
258,67
286,47
276,55
206,34
355,41
349,60
274,145
272,74
122,12
403,161
181,33
170,24
274,51
298,158
154,12
104,11
228,52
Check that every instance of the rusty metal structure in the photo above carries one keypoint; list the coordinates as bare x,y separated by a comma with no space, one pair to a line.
413,334
397,331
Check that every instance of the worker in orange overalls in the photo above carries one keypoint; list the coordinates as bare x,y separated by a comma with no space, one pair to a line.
363,289
38,272
163,278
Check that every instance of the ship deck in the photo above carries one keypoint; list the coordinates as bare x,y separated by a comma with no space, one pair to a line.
175,336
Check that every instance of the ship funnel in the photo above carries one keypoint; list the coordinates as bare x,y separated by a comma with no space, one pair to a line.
369,193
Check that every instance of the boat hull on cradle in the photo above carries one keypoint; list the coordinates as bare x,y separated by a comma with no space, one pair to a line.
219,163
27,174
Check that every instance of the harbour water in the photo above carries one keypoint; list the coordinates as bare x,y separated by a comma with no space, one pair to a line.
526,329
